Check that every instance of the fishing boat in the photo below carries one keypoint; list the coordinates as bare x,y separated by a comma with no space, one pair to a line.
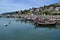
44,26
45,22
29,19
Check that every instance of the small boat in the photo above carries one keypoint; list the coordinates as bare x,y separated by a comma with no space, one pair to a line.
46,23
29,19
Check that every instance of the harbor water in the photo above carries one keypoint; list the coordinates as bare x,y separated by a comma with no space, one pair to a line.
26,30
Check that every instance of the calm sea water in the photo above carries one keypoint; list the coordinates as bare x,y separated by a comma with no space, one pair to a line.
22,30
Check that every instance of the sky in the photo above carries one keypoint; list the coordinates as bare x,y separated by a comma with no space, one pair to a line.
17,5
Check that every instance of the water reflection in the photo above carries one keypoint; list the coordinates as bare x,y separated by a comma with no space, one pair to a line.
36,26
23,20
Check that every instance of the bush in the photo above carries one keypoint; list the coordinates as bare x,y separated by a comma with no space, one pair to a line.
56,13
46,12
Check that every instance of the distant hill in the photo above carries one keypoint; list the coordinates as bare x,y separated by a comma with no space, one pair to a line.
10,13
49,9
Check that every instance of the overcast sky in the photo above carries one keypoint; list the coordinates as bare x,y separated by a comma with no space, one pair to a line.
15,5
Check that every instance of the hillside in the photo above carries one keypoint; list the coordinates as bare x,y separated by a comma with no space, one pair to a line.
49,9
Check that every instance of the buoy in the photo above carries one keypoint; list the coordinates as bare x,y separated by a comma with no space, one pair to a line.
5,24
9,22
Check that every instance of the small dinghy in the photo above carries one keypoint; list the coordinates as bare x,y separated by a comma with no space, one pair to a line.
45,22
29,19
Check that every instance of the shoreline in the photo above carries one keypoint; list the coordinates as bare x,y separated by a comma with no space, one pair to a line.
51,17
37,16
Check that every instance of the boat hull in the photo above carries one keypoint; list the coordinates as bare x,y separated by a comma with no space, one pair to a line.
46,24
